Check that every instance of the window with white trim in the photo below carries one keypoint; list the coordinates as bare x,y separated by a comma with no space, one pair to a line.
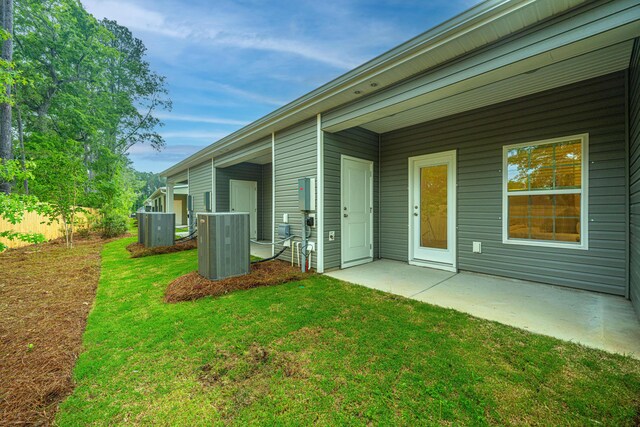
545,192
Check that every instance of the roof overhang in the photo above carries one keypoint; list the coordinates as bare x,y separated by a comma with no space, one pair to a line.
587,43
259,153
479,26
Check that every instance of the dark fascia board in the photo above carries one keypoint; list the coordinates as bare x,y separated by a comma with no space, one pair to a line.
476,15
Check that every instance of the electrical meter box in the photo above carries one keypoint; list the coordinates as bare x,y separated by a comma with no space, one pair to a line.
307,194
159,229
223,245
284,231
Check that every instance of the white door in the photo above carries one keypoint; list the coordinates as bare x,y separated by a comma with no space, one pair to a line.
356,211
432,210
177,209
243,197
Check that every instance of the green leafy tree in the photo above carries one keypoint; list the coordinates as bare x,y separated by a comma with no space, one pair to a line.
60,179
135,92
113,192
92,96
149,182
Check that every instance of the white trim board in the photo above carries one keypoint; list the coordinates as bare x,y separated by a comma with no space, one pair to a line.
320,193
273,193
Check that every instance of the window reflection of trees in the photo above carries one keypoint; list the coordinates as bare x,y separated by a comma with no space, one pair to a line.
544,168
433,206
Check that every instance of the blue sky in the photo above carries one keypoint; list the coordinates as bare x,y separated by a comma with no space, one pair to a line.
228,63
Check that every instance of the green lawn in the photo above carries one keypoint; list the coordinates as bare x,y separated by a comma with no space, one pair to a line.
324,352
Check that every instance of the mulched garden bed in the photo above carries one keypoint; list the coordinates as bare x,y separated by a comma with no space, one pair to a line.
46,293
138,250
193,286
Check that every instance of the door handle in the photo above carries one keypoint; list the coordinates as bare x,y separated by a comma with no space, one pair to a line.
415,214
346,215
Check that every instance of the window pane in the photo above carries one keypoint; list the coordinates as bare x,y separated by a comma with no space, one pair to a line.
433,207
569,153
548,217
569,176
568,217
518,206
541,167
519,228
545,166
542,206
541,178
518,167
542,228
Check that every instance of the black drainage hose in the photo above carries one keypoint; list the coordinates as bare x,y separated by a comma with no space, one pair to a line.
270,258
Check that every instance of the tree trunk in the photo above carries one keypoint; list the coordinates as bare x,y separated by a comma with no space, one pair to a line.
5,108
22,153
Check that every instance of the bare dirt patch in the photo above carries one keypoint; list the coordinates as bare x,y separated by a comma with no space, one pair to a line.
45,296
243,378
193,286
138,250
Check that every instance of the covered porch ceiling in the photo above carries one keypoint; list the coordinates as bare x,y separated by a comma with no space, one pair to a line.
561,73
259,153
586,43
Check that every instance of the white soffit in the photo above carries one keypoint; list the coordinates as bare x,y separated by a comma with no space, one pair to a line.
259,153
584,32
262,160
587,66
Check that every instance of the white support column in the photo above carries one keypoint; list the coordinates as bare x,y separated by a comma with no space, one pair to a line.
168,203
214,198
320,195
273,192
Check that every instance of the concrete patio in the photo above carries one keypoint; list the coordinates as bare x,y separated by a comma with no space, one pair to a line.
260,250
596,320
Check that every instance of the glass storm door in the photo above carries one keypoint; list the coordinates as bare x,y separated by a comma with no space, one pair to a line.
432,211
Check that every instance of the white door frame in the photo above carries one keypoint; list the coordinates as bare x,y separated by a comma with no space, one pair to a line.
344,264
452,213
178,212
253,216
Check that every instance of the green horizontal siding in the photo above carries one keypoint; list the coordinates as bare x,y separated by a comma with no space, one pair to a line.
359,143
199,184
296,155
248,172
596,107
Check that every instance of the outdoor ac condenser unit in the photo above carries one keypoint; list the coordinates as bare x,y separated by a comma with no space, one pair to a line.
140,216
223,245
159,229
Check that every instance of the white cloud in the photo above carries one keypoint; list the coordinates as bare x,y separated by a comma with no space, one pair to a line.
146,150
231,90
146,158
199,119
135,17
194,135
245,40
225,31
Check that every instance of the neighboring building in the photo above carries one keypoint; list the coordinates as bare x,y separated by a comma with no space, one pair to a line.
157,202
504,141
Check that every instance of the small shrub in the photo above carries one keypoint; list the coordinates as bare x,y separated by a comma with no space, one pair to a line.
113,225
31,238
84,232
